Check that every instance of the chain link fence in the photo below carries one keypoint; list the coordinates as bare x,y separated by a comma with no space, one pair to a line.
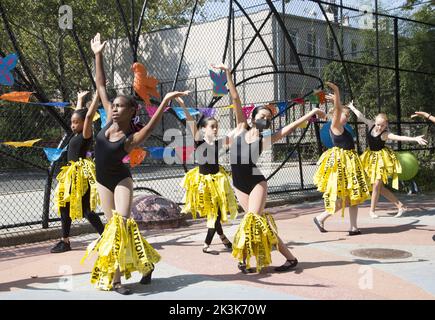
321,40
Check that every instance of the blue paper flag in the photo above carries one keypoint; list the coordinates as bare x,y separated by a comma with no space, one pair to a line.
51,104
282,106
103,116
180,112
156,152
6,65
53,154
219,81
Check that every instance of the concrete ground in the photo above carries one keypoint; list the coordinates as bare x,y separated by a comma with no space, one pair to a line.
329,267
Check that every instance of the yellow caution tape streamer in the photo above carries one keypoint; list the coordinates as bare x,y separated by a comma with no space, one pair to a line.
340,174
121,246
381,165
207,194
73,183
255,237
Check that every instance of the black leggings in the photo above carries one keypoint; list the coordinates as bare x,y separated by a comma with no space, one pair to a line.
92,217
217,228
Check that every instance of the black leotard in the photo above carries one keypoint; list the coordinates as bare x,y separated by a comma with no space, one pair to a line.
108,160
78,146
375,143
244,157
344,140
209,163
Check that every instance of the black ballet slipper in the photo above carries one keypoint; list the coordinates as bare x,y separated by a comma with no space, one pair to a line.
118,287
354,233
289,264
146,279
319,226
209,251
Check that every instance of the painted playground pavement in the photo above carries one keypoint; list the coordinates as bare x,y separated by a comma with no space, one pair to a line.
328,265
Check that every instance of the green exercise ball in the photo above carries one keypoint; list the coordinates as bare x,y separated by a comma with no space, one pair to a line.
409,165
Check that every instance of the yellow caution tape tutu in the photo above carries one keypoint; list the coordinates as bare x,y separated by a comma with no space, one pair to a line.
255,237
340,174
206,194
120,246
381,164
74,180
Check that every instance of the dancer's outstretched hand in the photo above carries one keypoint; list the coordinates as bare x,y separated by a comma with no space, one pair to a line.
220,66
420,114
330,97
81,95
420,140
96,45
175,94
319,113
351,105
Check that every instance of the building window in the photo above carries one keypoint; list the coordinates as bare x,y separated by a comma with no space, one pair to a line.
312,48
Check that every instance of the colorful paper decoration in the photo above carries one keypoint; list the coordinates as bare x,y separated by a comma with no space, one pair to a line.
207,112
322,97
156,152
151,110
144,85
53,154
96,117
17,96
299,101
314,98
135,157
282,106
219,82
184,153
180,112
52,104
18,144
303,125
24,97
103,116
6,65
247,110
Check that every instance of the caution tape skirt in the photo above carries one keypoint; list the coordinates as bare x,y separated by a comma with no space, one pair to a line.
120,246
340,174
207,194
256,236
381,165
74,180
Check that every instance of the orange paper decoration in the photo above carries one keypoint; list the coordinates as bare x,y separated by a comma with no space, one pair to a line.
17,96
144,85
137,155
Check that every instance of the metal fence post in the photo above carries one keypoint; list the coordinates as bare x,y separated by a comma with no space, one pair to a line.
397,79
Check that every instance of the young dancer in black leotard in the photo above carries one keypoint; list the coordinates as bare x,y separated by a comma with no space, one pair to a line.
121,249
76,193
340,174
380,162
208,188
257,232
